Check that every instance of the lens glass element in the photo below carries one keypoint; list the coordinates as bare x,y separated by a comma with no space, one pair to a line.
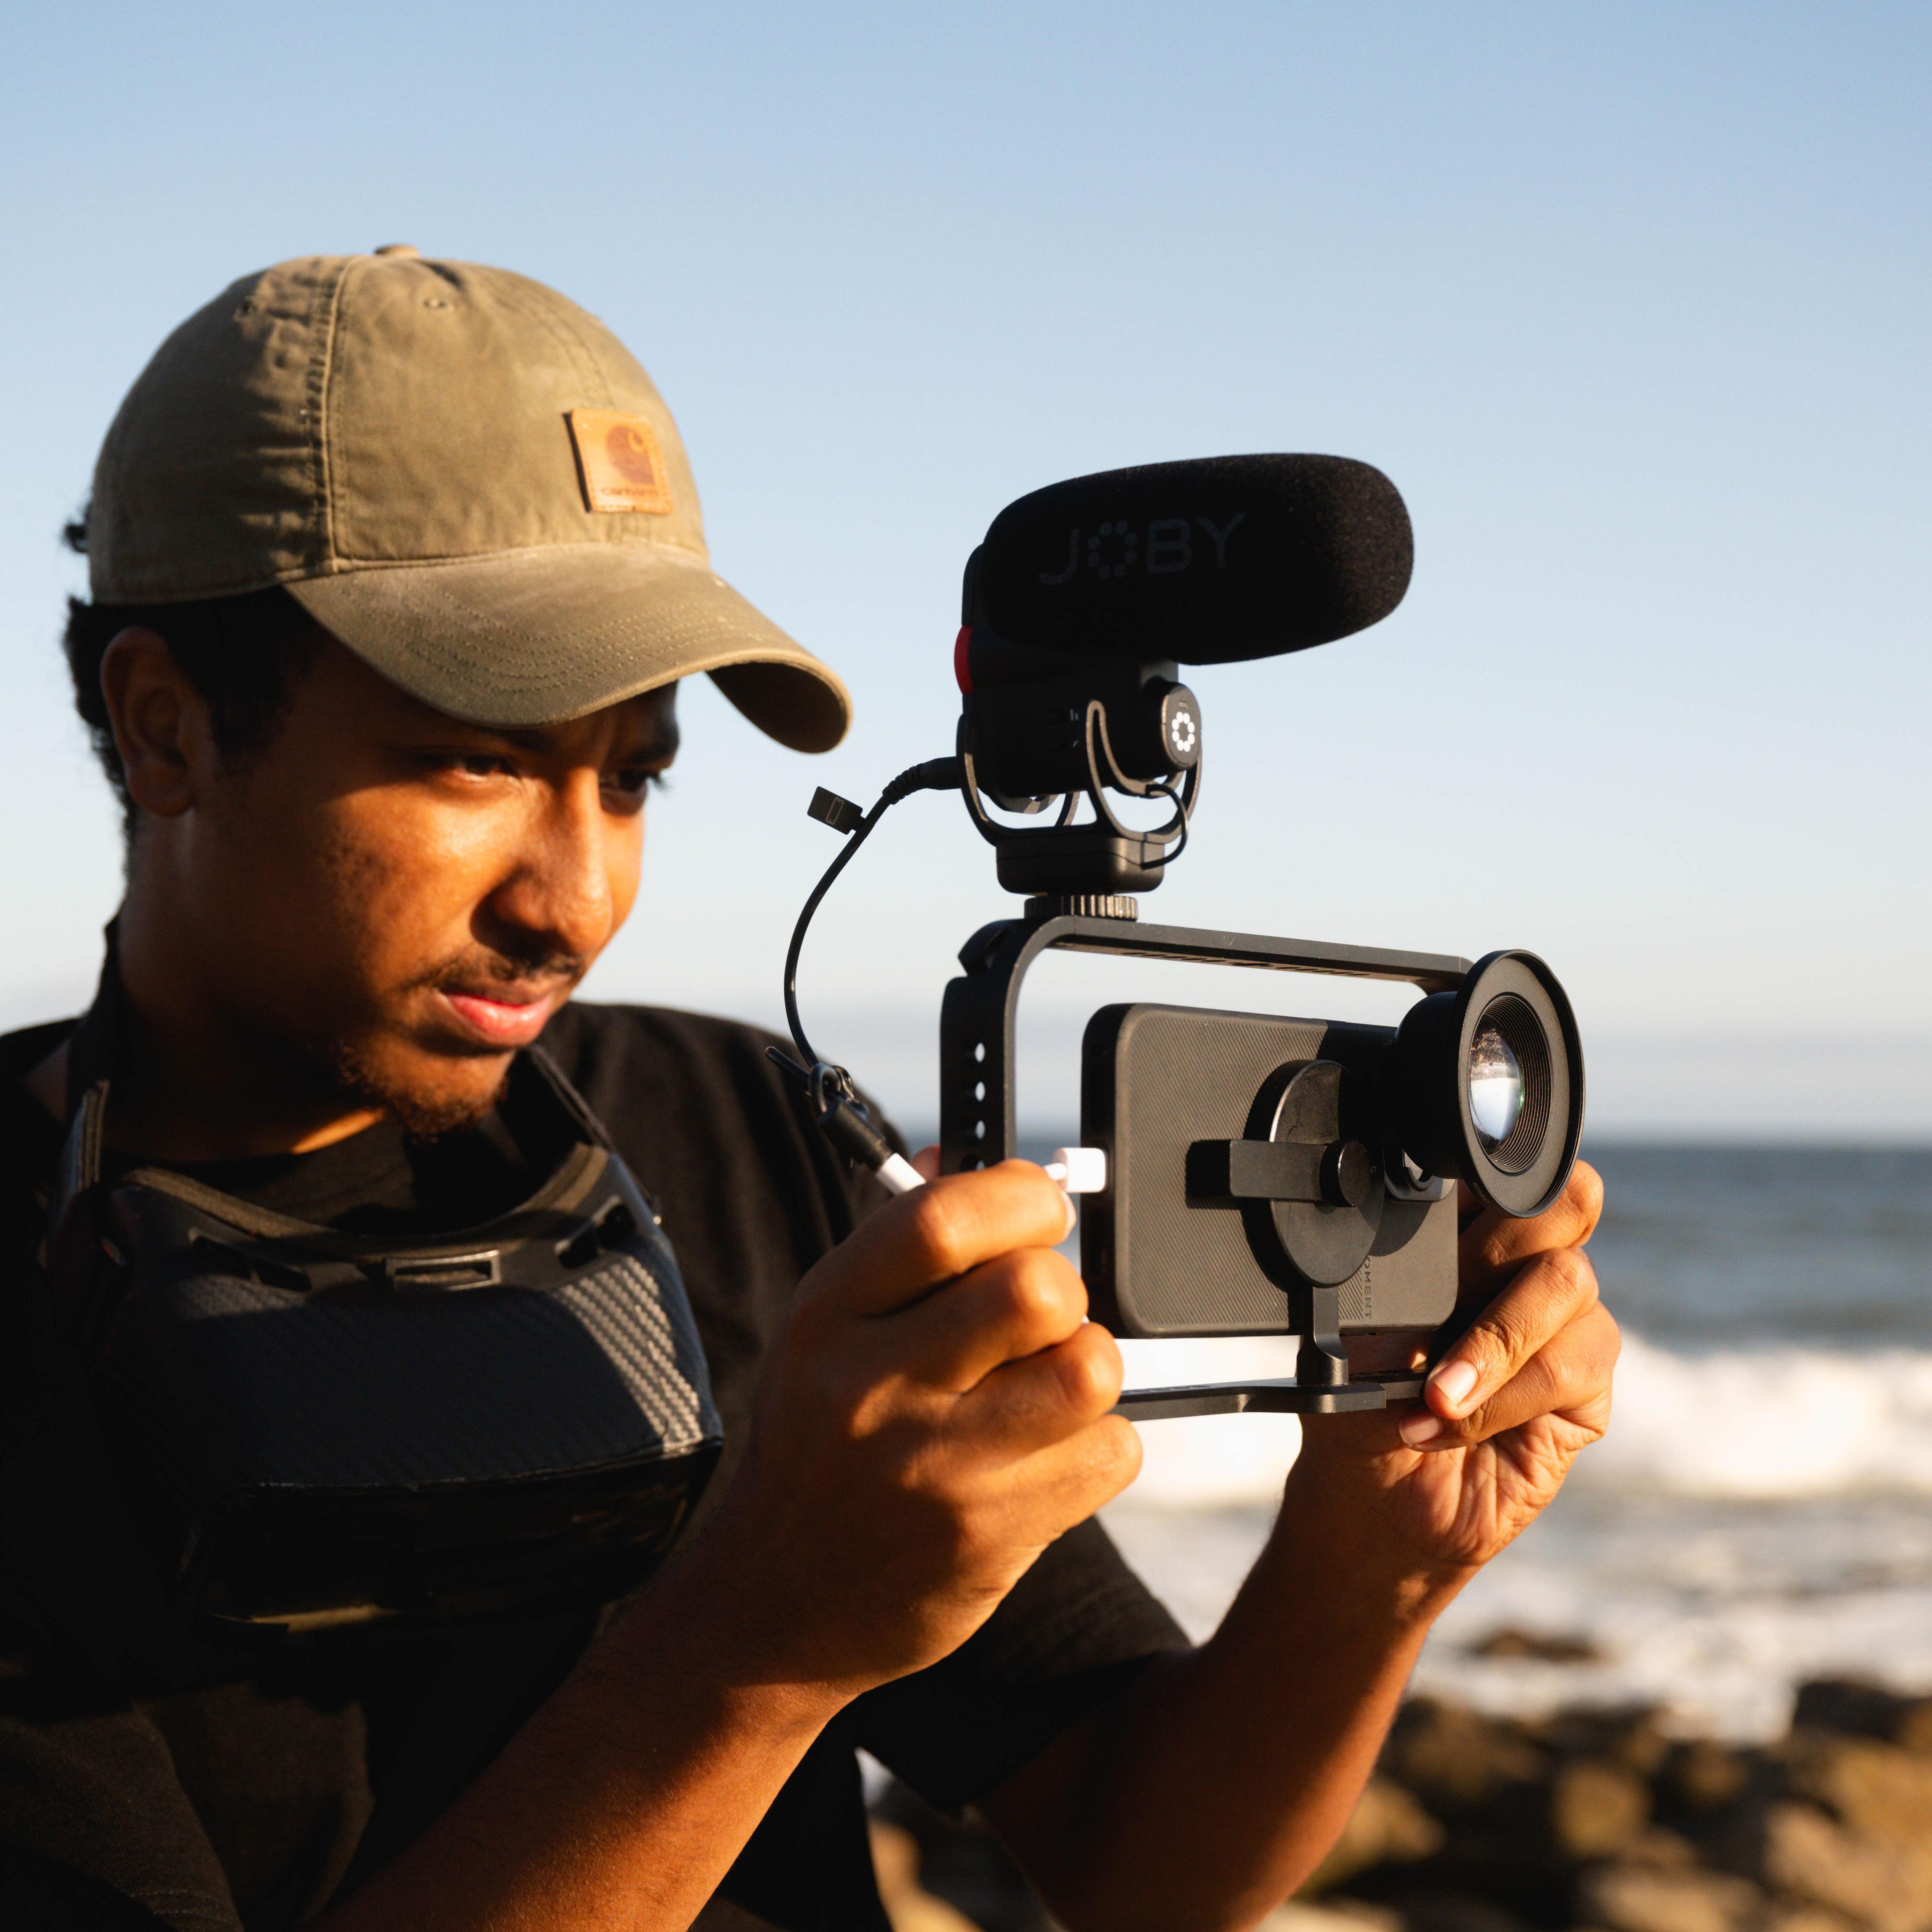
1495,1087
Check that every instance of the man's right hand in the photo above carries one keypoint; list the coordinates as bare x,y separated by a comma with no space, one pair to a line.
933,1413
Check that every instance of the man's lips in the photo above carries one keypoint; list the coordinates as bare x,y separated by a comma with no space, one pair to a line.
499,1019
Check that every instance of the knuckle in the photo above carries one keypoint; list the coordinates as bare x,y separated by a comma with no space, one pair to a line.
1031,1177
858,1415
819,1284
1504,1339
1604,1339
939,1232
1044,1295
925,1481
1493,1251
1026,1292
1089,1378
1586,1192
1529,1388
1111,1461
1574,1274
1478,1425
1493,1341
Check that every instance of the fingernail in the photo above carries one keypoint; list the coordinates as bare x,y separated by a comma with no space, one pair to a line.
1421,1427
1072,1216
1455,1381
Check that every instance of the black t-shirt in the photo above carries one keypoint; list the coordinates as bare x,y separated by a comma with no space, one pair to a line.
249,1804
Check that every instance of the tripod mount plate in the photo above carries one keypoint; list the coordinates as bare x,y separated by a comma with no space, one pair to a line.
1280,1395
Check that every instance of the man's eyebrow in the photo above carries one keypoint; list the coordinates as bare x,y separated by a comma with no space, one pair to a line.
661,741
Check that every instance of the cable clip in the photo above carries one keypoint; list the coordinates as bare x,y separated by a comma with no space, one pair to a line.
847,1121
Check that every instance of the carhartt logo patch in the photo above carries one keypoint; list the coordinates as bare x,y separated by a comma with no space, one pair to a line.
618,460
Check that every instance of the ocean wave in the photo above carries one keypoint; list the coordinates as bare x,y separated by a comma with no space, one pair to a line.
1763,1423
1748,1425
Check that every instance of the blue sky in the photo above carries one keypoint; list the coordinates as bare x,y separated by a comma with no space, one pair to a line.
1632,303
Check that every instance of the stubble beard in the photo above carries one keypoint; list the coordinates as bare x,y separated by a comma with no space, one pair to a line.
423,1114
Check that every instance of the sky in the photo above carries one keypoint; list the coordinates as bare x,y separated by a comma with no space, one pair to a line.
1632,303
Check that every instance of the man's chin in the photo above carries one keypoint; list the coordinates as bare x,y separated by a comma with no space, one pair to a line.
429,1095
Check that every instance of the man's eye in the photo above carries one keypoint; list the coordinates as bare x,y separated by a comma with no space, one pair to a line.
482,764
634,782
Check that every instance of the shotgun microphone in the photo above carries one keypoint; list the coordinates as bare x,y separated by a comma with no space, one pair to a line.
1086,597
1206,562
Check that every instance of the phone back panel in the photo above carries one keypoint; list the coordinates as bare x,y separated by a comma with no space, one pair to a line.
1154,1079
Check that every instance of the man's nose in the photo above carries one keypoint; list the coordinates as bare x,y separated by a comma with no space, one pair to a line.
560,888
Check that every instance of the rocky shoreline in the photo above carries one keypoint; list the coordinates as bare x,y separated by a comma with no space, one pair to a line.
1590,1819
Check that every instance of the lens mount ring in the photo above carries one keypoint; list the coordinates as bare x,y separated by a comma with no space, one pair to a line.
1320,1241
1518,996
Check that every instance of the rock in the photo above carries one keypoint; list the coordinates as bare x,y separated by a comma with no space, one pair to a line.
910,1906
1456,1759
1656,1845
1852,1705
1629,1734
1876,1791
1702,1776
1783,1916
1386,1827
1596,1807
1537,1647
1453,1911
1345,1915
1820,1862
1628,1898
1858,1708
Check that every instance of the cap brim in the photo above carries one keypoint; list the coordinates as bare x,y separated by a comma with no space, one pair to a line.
536,637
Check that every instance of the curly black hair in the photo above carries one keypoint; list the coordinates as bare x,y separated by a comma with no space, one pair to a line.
244,654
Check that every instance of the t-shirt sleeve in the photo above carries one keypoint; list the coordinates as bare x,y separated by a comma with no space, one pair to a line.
1072,1632
94,1822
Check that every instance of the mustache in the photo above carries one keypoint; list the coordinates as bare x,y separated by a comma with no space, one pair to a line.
535,972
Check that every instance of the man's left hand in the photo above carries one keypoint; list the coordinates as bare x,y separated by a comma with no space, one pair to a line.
1505,1412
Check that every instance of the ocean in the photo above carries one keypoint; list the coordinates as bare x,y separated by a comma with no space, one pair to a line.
1761,1511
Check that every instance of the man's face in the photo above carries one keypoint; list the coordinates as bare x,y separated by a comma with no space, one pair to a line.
404,899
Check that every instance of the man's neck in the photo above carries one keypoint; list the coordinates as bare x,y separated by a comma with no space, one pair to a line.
194,1082
135,1130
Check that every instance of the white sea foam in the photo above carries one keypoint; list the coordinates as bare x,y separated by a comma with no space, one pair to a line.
1753,1518
1756,1424
1768,1423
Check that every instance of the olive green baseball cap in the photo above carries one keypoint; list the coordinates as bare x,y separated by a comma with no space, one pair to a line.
464,477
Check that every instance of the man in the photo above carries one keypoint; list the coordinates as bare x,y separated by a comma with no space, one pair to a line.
395,565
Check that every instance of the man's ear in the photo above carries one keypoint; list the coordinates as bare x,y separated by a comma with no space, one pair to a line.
160,724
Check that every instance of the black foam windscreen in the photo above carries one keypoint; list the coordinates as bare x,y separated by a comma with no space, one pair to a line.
1205,561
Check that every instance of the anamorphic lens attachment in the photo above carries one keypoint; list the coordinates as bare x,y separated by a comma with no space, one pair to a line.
1487,1082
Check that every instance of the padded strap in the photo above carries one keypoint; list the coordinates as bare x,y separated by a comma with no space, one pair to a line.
93,1049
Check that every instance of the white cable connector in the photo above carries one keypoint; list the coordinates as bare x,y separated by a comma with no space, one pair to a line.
897,1175
1078,1170
1073,1170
